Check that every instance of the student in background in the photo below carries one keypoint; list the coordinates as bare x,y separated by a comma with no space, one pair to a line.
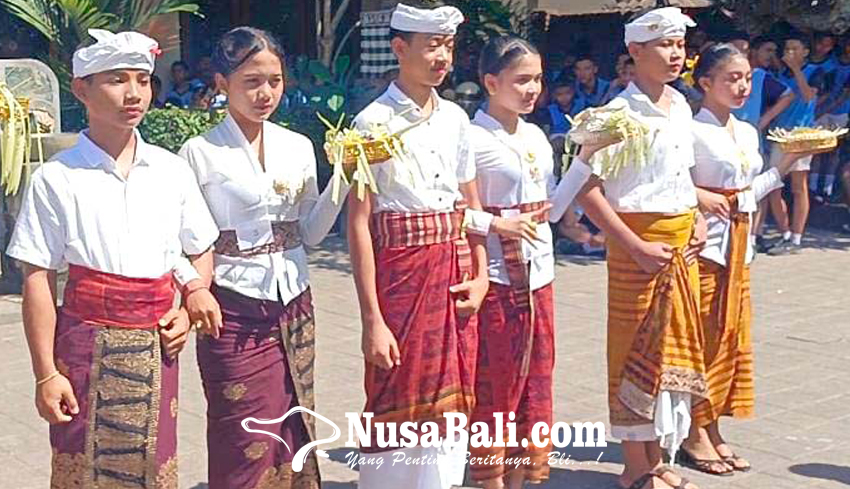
833,113
768,98
590,88
183,87
625,75
805,80
563,103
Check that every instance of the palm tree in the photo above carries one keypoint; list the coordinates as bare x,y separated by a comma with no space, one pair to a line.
758,16
65,23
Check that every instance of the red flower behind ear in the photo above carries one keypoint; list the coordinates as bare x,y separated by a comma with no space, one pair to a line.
156,51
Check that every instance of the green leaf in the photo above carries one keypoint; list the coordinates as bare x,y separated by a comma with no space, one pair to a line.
318,70
341,66
37,13
336,102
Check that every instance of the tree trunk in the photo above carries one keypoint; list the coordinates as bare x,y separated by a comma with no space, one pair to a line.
326,33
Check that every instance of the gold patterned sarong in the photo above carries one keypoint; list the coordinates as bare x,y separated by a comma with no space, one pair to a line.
654,336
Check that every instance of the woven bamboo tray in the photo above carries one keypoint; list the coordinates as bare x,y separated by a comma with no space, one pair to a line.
596,138
814,146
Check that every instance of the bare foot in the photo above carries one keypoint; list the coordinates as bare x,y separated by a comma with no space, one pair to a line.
729,457
698,453
725,451
673,479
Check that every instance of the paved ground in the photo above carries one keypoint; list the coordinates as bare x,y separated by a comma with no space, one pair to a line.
799,439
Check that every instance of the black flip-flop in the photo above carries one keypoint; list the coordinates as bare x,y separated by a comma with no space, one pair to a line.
686,459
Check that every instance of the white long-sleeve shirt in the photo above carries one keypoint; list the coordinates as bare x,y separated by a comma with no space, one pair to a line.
241,195
79,210
727,162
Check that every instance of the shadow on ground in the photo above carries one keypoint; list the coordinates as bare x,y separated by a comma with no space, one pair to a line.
343,455
830,472
332,254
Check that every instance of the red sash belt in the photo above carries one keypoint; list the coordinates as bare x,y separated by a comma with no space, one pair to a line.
405,230
106,299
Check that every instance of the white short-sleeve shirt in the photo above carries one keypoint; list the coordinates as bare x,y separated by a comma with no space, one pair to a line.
727,162
80,210
241,194
514,169
439,157
663,184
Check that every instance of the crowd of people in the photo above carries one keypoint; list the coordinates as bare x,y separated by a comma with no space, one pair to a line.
799,80
451,250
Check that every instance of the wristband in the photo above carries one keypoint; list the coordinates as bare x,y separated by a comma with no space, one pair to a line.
48,378
193,286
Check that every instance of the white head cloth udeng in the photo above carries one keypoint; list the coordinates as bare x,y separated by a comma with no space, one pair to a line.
658,24
125,50
440,20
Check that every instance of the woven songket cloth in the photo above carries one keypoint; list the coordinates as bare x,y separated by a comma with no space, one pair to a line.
108,346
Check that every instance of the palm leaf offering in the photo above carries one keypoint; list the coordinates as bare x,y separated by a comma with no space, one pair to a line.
806,139
611,125
14,139
352,150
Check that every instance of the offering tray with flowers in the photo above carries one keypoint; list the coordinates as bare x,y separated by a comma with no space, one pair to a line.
806,139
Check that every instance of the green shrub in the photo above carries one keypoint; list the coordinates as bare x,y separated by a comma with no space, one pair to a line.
171,127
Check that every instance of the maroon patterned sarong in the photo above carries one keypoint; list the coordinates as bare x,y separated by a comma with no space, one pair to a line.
419,256
515,264
507,382
261,366
108,346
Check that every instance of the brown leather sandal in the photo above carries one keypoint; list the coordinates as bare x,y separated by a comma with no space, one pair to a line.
732,460
665,469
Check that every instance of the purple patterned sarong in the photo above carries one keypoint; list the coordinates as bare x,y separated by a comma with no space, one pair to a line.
261,366
125,434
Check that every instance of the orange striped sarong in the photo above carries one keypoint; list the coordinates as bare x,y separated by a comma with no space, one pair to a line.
654,335
726,317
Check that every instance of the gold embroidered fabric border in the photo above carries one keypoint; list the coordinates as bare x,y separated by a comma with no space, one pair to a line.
299,340
124,389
